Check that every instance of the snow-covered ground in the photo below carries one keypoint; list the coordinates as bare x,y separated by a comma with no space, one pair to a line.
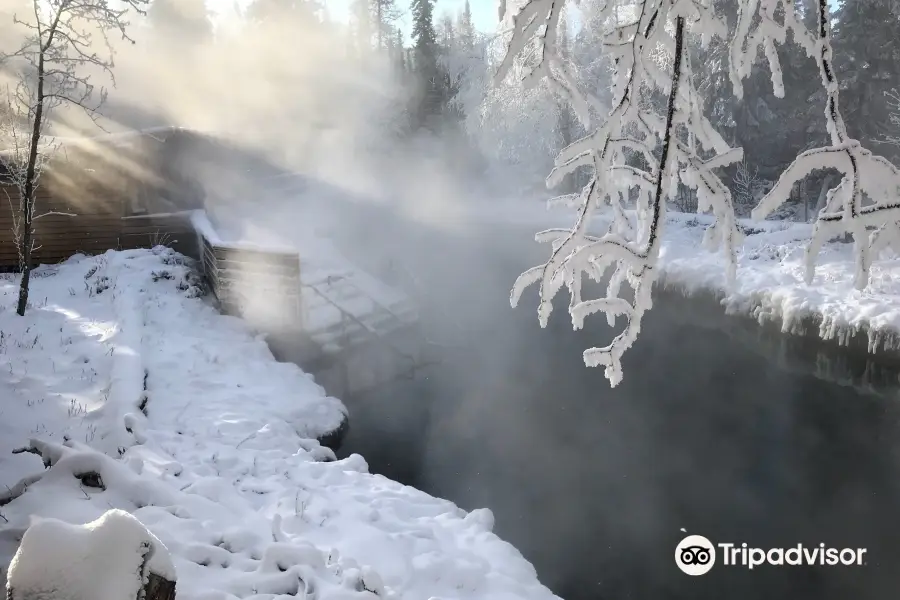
121,369
770,281
770,277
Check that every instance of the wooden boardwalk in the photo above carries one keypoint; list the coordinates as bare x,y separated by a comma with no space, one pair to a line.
330,320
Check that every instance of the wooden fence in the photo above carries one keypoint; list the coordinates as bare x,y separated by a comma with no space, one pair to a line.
262,286
60,231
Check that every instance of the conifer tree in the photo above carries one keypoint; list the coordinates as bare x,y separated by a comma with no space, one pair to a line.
425,63
867,47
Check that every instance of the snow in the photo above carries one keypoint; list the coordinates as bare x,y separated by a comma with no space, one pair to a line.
106,559
770,282
142,398
204,227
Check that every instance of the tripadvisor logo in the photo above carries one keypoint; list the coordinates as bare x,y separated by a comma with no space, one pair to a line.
696,555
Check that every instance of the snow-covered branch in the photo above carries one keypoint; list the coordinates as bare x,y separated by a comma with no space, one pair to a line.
749,40
638,148
866,177
893,102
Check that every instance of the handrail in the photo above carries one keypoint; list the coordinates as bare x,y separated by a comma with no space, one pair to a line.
345,314
374,301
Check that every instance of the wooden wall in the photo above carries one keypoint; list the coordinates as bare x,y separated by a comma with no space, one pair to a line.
91,228
260,285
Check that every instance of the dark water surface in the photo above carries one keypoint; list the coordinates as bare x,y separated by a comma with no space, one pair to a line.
709,431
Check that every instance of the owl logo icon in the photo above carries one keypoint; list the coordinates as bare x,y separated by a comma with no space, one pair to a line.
695,555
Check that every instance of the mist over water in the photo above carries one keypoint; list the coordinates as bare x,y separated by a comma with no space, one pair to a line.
707,433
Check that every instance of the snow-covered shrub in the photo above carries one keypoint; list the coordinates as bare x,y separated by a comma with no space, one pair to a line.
747,185
162,274
191,285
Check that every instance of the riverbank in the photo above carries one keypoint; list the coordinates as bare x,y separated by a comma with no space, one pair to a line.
183,418
721,427
770,286
770,283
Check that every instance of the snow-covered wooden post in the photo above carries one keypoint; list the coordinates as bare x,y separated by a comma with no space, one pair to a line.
112,558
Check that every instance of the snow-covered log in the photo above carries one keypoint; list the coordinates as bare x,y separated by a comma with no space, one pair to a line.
112,558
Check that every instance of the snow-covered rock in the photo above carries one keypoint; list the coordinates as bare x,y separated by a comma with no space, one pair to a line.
106,559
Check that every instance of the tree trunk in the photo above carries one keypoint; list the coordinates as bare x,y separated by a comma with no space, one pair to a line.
379,23
28,193
25,255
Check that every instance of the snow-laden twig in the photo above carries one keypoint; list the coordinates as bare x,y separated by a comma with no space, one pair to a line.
636,148
893,102
758,29
865,175
746,181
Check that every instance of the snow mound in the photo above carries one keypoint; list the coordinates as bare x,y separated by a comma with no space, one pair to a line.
106,559
138,396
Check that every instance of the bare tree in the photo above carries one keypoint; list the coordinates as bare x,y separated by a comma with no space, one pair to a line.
14,135
746,182
65,43
893,101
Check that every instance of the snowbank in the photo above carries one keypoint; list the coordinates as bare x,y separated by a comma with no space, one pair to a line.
139,396
770,284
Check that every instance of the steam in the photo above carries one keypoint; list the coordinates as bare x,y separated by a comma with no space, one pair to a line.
308,133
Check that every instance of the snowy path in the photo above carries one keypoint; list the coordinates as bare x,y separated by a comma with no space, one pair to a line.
226,473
